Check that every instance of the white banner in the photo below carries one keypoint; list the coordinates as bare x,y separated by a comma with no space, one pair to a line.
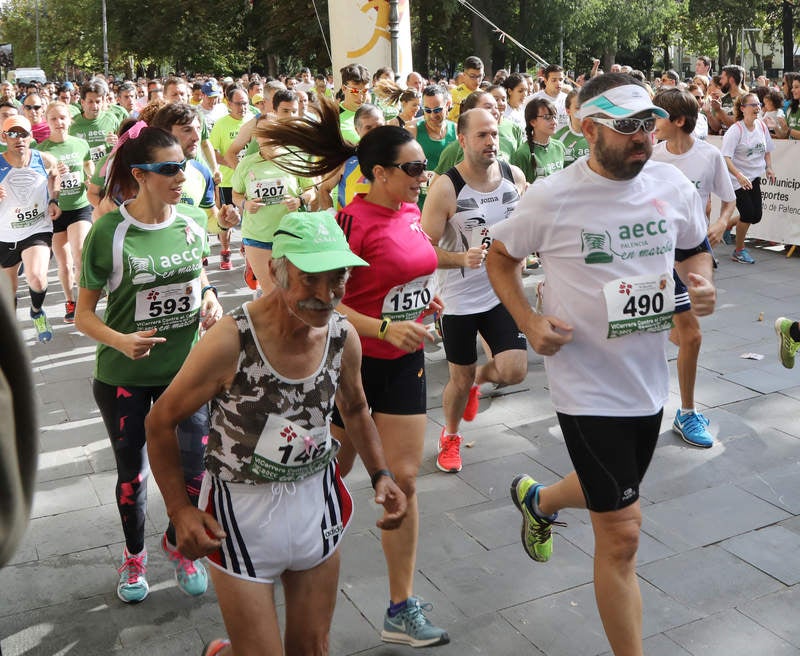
781,220
360,35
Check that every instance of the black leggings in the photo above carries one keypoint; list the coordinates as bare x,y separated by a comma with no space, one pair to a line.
123,410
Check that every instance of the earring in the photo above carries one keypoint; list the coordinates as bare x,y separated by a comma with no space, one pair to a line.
385,180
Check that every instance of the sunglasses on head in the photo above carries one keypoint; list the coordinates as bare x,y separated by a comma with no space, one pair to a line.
35,108
17,134
413,169
168,169
628,125
435,110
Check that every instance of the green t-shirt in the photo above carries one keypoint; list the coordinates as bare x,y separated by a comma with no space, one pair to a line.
347,125
575,144
95,131
793,120
152,276
119,111
544,161
222,136
257,178
73,152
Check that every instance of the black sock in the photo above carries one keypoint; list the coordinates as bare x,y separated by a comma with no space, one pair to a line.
37,300
794,331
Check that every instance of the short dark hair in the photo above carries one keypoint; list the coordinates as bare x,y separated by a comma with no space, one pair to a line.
283,95
734,71
434,90
473,62
672,75
552,68
94,85
233,88
355,73
678,103
173,114
706,61
513,81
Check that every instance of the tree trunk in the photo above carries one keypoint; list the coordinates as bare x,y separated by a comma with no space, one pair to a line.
481,44
787,23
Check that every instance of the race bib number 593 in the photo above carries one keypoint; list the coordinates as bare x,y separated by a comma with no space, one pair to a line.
639,304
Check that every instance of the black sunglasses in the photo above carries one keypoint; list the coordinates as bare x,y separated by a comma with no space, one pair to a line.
168,169
35,108
413,169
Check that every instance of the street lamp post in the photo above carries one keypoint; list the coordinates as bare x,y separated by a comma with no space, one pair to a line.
105,40
38,64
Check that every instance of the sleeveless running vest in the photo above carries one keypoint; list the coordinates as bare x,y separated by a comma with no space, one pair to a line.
23,212
464,290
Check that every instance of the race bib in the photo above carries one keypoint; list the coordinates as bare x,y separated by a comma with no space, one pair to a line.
406,302
70,180
269,192
97,152
479,237
25,217
639,304
288,452
168,307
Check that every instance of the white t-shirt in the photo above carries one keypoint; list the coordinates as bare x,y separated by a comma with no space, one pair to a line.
704,165
597,236
747,149
701,127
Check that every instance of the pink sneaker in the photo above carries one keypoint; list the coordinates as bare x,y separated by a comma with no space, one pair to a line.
449,458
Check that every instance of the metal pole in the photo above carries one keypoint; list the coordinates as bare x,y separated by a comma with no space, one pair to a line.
38,64
742,60
105,40
394,33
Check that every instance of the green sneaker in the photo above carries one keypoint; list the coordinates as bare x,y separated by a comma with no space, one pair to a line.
787,347
537,538
42,325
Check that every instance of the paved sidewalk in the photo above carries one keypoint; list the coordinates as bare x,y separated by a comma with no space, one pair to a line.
720,551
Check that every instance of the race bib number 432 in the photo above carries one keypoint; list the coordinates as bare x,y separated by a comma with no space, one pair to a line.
639,304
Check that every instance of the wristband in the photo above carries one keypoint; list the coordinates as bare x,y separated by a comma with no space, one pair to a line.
384,327
206,288
53,200
378,475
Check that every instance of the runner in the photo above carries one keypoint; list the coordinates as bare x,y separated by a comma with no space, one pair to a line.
29,192
71,228
385,304
33,108
606,367
461,207
541,155
94,124
570,135
271,371
703,164
147,255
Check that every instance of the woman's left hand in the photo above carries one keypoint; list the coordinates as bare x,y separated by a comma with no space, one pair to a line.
771,175
292,203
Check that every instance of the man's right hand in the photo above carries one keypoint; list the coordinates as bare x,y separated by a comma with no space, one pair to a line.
547,334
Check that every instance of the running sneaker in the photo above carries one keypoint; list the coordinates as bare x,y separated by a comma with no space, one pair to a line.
132,587
449,458
788,346
225,260
691,426
191,575
69,312
536,533
471,409
411,627
743,257
215,647
728,238
249,277
42,325
205,261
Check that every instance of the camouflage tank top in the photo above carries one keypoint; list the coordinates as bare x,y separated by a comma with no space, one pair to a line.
267,428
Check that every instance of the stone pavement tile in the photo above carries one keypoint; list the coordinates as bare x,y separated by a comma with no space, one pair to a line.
31,585
361,557
441,540
64,495
712,390
792,524
187,643
439,492
76,531
774,550
492,524
764,382
778,613
729,633
568,623
492,477
708,516
659,645
351,632
678,468
551,459
708,579
489,442
64,463
769,411
73,626
793,392
506,577
71,433
779,485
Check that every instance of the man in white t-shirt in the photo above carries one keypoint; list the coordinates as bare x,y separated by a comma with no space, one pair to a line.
553,85
607,306
704,165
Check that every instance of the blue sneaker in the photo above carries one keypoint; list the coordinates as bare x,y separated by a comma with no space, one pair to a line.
411,627
728,238
692,428
132,586
742,256
43,328
191,575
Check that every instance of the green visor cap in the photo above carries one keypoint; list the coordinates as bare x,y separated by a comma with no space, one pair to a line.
313,242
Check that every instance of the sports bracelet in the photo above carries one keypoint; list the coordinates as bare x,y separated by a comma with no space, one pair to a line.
384,327
53,200
206,288
378,475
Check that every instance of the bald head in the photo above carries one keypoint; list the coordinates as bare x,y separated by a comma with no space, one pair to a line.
467,121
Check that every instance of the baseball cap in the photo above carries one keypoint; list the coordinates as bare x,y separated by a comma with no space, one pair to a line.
211,89
313,242
68,85
17,122
621,102
257,98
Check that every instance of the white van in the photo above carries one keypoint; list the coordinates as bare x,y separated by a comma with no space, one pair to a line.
26,75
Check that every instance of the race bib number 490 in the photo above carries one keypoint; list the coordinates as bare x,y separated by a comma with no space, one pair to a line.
639,304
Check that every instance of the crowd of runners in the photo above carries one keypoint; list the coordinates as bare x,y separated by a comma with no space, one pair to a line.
373,217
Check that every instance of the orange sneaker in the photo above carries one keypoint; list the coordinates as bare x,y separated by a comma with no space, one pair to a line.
471,410
249,277
215,647
449,458
225,260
